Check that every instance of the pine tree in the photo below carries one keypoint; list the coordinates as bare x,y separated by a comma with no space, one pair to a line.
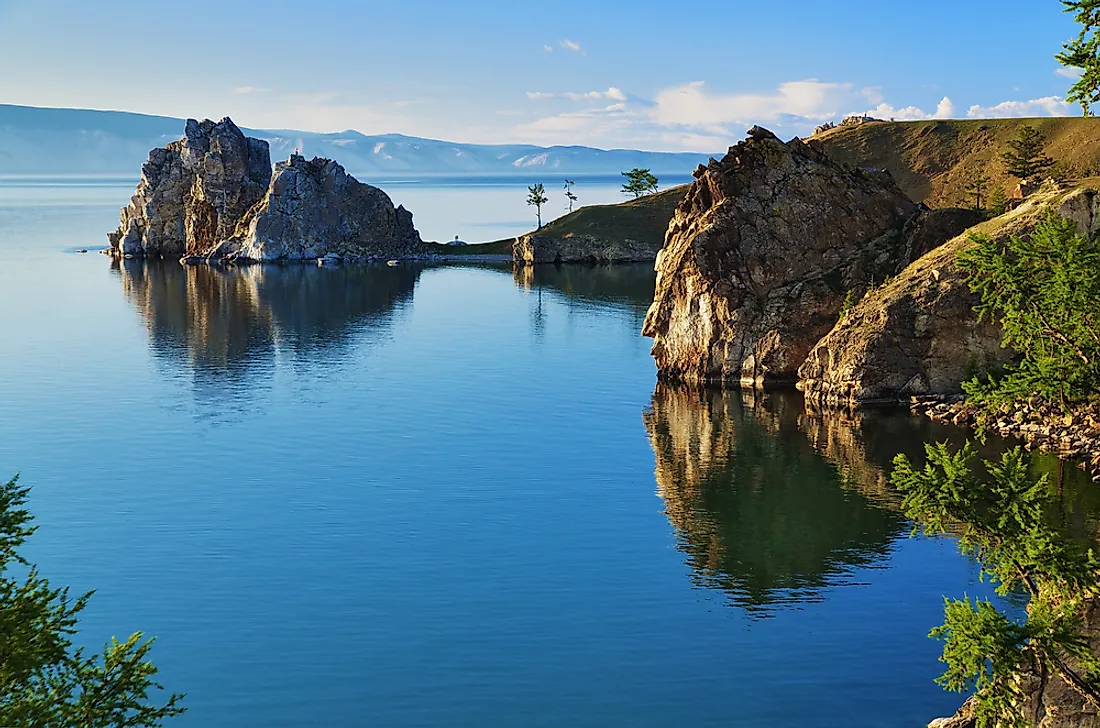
639,182
1025,159
1083,53
569,195
45,680
537,197
976,186
998,202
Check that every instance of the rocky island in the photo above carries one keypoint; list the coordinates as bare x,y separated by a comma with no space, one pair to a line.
212,196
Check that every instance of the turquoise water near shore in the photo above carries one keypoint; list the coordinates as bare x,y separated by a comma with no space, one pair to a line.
450,496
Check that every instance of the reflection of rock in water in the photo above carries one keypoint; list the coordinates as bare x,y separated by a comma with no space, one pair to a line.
225,321
625,285
759,512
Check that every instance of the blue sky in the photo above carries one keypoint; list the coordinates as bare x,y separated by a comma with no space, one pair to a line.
669,75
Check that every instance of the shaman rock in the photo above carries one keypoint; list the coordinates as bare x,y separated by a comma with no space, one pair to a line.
193,192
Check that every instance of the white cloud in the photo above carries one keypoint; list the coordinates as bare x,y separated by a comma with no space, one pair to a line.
693,105
1074,73
1046,106
570,45
548,48
944,110
245,90
613,94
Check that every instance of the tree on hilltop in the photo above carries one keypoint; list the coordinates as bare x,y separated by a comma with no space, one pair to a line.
977,186
44,679
1083,53
1025,159
639,182
569,195
537,197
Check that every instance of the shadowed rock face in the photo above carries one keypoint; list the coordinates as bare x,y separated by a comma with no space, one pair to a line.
314,208
760,255
919,335
193,192
534,249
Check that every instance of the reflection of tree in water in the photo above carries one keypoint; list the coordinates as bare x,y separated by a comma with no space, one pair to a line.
759,512
224,323
628,285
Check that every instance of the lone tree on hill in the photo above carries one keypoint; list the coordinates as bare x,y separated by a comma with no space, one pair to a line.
537,197
1083,53
45,680
639,182
1025,158
977,186
569,193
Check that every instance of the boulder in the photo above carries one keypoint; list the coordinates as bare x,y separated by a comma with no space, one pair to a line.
315,209
918,335
535,249
193,191
760,256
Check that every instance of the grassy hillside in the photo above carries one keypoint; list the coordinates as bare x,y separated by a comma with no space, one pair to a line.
934,160
645,219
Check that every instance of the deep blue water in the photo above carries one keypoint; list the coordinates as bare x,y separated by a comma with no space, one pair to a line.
449,496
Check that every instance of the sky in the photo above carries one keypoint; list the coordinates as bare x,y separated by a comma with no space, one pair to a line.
673,76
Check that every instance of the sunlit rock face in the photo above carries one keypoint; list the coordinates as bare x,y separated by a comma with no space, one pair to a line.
760,255
193,192
314,208
759,512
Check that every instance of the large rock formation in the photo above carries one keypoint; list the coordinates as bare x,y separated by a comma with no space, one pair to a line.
193,192
314,208
759,257
918,334
212,195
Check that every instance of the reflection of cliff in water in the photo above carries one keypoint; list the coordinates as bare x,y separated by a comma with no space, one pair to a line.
626,285
225,322
773,503
759,512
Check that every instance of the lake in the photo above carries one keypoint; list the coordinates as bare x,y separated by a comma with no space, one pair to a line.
422,496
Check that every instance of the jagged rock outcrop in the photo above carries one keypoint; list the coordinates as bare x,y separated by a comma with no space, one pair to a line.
314,208
534,249
193,192
918,334
759,257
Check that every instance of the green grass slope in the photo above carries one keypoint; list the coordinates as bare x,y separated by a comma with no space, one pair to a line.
644,219
933,161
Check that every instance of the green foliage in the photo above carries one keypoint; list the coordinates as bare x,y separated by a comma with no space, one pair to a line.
537,196
45,681
1083,53
1025,159
639,182
1000,521
850,301
1044,292
569,194
998,202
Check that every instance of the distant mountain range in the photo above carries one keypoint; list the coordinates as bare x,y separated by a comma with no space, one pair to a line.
40,141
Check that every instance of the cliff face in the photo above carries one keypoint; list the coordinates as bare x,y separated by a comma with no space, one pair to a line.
760,255
919,334
314,208
192,192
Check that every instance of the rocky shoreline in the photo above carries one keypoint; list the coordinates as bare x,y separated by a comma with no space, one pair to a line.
1072,435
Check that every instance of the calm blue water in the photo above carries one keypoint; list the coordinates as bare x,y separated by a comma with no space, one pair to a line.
449,496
